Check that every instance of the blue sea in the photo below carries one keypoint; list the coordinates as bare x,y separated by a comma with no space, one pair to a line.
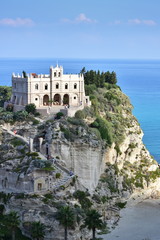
139,79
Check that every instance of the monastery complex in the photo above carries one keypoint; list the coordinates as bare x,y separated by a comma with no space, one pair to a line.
49,92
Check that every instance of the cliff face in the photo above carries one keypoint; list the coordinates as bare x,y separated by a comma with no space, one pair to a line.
88,158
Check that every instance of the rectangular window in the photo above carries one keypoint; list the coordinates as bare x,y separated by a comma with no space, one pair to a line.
39,186
66,86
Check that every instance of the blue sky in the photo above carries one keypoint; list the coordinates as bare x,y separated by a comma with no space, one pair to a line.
125,29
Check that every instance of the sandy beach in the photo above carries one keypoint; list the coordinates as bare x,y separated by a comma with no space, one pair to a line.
138,222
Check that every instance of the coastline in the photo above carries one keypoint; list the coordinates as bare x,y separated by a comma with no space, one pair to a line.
138,221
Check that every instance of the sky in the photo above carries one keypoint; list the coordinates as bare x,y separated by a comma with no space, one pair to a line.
90,29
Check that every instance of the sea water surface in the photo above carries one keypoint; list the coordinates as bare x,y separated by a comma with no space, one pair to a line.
139,79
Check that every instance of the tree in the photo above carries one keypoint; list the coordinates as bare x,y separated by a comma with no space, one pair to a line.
5,94
93,221
12,222
83,70
66,217
24,74
30,108
37,230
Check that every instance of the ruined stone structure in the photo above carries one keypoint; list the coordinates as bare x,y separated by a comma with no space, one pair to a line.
49,91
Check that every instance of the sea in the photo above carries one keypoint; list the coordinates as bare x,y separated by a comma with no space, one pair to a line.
138,79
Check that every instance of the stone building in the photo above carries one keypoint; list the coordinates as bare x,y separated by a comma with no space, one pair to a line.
49,91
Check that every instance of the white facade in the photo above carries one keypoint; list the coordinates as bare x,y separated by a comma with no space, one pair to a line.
51,90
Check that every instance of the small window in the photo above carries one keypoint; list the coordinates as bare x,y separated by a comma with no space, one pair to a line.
75,86
59,74
74,97
39,186
36,86
36,99
15,85
46,87
66,86
54,74
57,86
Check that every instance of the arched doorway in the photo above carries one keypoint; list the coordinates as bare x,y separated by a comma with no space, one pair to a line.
45,100
66,99
57,99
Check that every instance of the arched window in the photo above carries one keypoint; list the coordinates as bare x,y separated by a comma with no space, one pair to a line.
66,86
57,85
46,86
59,74
75,86
36,86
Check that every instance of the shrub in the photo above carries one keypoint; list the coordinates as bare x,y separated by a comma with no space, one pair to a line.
31,108
59,115
17,142
9,107
75,121
5,94
58,175
20,116
35,122
67,134
80,114
89,89
121,204
32,154
48,196
96,132
104,128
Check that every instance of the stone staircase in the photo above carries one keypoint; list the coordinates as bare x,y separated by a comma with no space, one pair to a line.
67,176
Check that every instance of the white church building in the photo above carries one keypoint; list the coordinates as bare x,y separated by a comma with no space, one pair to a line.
49,92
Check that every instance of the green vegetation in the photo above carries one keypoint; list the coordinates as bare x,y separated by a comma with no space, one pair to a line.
5,197
104,128
108,105
5,94
9,225
93,221
9,107
80,114
31,108
37,230
121,204
24,74
59,115
58,175
66,216
83,199
17,142
99,78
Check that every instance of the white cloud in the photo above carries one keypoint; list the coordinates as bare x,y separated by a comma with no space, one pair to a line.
135,21
117,22
142,22
18,22
81,18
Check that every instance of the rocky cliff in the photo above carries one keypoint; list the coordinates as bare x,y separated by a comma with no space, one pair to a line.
102,147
